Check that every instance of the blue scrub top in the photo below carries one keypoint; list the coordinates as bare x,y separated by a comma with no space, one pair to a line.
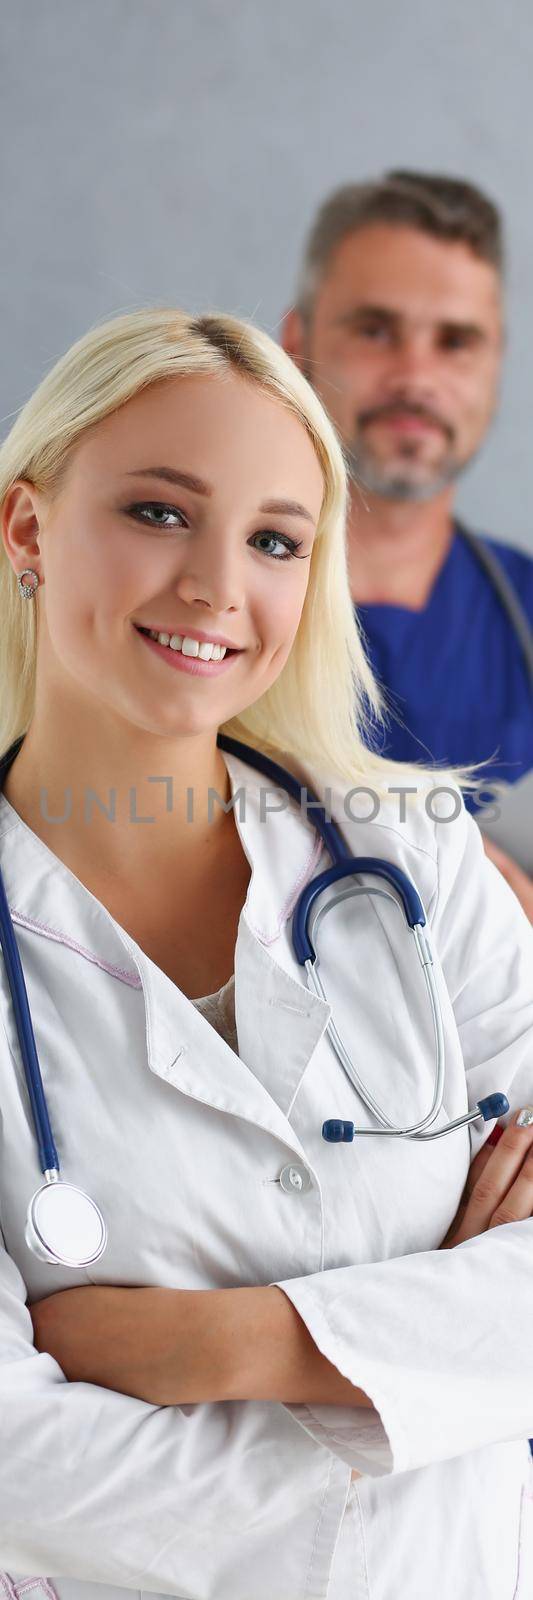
457,683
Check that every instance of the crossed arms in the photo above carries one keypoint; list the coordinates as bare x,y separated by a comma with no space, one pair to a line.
174,1346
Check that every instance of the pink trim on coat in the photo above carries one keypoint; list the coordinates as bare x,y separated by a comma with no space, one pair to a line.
131,978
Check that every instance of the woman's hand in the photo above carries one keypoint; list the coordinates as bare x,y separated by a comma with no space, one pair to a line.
499,1186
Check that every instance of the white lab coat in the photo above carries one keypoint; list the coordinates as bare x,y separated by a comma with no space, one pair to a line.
182,1144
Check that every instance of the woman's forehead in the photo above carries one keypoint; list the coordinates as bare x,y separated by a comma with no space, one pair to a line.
209,425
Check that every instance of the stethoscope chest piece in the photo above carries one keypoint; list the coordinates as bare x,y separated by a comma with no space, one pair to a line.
64,1226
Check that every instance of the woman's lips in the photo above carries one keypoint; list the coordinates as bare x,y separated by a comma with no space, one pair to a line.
190,664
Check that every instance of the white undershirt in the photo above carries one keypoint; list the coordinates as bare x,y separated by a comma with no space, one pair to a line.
219,1010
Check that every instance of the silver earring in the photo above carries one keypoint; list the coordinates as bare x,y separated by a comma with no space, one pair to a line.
28,589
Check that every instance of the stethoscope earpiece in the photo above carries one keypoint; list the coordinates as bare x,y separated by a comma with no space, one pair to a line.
334,1131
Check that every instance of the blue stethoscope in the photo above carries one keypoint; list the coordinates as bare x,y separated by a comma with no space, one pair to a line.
64,1226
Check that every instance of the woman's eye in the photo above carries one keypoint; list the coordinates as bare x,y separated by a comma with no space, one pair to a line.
157,514
289,547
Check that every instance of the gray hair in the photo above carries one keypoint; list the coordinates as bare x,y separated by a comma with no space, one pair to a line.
447,208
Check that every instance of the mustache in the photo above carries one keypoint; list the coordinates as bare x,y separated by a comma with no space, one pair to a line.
406,408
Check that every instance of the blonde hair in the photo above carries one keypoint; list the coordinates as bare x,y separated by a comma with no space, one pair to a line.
319,713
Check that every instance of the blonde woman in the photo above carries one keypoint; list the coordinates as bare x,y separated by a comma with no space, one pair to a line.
273,1383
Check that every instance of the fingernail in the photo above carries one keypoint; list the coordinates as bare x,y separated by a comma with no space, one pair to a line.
525,1117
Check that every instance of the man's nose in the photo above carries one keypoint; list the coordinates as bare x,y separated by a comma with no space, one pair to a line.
415,365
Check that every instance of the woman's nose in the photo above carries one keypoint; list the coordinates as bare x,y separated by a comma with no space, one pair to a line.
212,579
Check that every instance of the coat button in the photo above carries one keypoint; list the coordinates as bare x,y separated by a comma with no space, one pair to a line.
295,1179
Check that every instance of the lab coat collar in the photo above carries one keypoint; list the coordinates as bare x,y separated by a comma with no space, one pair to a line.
279,1022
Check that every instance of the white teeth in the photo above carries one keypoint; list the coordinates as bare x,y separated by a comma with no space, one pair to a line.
190,647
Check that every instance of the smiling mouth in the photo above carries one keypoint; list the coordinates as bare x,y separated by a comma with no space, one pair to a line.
201,659
187,645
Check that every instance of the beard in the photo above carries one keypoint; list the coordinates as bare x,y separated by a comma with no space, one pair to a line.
403,479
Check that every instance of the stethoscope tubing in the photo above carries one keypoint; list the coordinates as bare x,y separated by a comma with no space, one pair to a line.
48,1156
345,865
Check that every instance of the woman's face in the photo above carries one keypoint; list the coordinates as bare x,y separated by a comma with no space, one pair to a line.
190,511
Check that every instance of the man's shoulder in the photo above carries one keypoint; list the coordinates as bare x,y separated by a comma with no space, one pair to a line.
517,564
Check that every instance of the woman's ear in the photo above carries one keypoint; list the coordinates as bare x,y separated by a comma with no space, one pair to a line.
20,524
292,335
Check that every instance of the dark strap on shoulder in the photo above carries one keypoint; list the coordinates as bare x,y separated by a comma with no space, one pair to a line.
506,593
8,757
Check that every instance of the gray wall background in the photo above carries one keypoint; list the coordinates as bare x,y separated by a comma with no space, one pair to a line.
175,151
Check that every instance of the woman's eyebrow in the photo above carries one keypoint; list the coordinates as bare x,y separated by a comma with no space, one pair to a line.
288,508
171,475
188,480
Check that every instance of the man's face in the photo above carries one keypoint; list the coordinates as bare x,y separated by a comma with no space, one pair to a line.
404,350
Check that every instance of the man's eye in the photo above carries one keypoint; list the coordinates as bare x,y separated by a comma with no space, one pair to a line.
375,331
455,340
289,546
157,513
